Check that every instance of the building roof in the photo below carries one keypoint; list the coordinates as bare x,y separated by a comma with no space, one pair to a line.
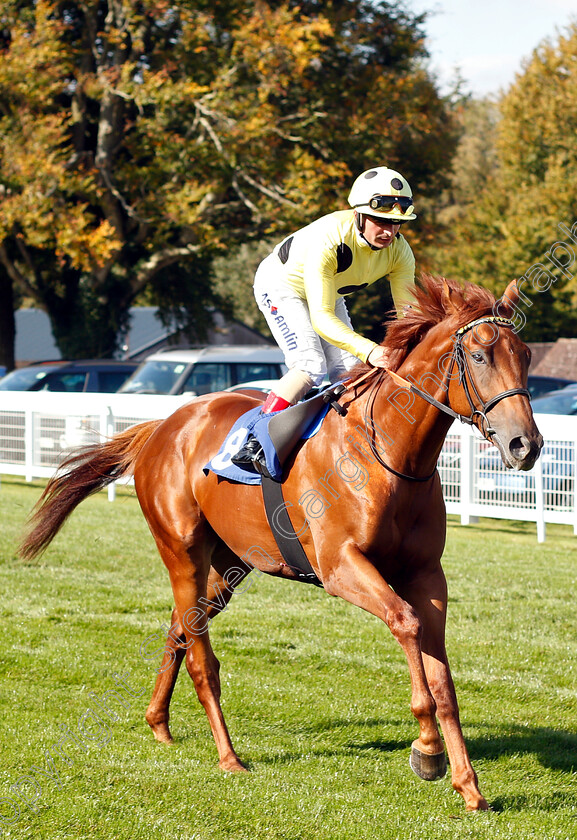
560,360
539,350
34,339
35,342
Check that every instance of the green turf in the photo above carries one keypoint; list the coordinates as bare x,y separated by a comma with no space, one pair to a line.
315,692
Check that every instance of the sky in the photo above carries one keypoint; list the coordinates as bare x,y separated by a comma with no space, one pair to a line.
488,39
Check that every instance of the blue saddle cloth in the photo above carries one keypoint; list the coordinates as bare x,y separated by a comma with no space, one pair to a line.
254,423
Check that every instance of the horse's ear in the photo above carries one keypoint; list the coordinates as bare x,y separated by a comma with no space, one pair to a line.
510,298
447,299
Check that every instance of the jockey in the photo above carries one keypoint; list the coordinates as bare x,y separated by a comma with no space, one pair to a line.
300,288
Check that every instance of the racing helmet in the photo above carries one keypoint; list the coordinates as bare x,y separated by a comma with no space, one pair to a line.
383,193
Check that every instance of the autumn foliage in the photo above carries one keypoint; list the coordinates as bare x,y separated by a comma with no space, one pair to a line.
140,140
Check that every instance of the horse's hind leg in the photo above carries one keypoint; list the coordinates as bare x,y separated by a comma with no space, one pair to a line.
157,713
219,593
188,562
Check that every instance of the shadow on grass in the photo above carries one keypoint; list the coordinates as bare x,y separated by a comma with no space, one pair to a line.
348,748
554,748
344,736
556,801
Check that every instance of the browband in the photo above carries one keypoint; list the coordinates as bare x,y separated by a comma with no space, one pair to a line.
488,319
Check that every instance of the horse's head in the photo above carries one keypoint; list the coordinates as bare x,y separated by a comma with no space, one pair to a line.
456,349
488,380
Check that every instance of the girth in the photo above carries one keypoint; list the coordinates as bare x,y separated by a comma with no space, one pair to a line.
284,533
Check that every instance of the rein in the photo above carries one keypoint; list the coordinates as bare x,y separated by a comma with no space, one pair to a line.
458,358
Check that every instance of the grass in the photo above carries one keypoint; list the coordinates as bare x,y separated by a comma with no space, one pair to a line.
315,692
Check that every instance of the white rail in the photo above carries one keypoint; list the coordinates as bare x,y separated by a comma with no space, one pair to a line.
475,482
37,428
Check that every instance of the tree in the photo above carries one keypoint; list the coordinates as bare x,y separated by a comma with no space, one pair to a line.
376,103
142,140
511,220
7,321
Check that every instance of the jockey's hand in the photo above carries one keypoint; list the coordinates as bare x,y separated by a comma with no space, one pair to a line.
379,357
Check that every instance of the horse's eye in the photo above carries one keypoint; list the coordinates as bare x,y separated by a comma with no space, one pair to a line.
478,358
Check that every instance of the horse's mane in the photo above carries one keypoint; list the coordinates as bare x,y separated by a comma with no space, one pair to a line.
427,310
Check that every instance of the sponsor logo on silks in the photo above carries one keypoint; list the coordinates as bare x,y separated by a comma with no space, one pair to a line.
289,337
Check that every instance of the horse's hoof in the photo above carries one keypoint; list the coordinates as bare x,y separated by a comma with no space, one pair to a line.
428,767
233,765
161,733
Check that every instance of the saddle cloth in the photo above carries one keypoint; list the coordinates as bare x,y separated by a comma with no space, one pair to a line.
255,423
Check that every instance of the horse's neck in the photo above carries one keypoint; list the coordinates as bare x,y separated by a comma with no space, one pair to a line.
414,431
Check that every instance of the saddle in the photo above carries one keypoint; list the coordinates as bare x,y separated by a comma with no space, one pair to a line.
287,427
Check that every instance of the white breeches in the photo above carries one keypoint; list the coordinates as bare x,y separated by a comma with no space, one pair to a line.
290,323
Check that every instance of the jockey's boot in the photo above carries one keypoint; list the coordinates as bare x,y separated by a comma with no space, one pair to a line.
251,455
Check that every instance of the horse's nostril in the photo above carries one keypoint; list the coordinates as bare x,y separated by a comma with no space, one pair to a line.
519,447
523,449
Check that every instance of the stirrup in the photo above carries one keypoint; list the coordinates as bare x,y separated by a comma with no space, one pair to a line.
249,453
251,457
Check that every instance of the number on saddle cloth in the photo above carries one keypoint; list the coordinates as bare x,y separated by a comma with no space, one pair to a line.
222,463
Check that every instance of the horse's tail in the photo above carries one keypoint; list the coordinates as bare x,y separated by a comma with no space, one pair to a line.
82,473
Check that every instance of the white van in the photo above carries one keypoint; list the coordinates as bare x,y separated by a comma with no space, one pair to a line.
197,372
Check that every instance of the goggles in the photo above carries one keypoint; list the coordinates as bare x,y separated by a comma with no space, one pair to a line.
382,220
388,203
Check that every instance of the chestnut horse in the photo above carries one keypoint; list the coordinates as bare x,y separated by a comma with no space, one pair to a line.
364,497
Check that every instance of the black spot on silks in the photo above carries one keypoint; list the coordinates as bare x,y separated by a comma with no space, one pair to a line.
284,250
344,257
346,290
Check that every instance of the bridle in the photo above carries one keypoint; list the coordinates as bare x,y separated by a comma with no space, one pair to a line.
467,382
460,361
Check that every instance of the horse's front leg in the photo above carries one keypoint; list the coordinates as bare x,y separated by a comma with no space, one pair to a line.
428,595
355,579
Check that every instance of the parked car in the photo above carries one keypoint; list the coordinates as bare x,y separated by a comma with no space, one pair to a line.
197,372
563,401
88,375
268,385
539,385
264,385
557,458
558,461
494,482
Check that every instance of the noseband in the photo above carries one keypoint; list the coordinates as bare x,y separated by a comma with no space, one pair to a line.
460,360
